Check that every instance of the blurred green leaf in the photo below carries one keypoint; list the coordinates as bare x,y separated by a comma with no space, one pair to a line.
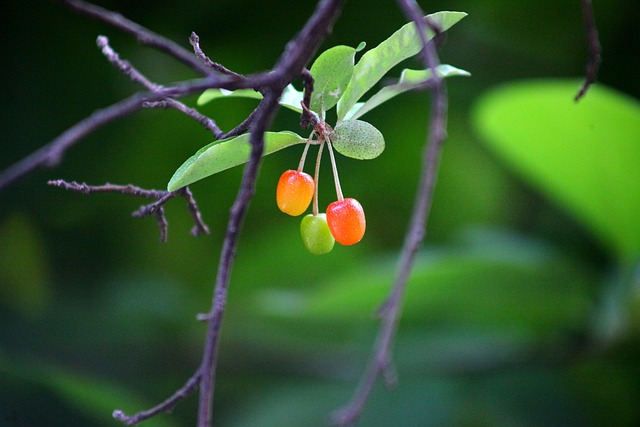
497,281
331,71
415,402
618,312
25,283
301,403
585,156
408,80
375,63
227,153
94,398
521,398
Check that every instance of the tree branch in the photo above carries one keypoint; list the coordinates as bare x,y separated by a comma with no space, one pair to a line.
156,208
144,36
52,153
137,77
380,362
165,406
307,81
290,65
199,226
194,40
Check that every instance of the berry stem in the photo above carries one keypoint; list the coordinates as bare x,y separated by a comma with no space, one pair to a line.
334,168
316,178
304,154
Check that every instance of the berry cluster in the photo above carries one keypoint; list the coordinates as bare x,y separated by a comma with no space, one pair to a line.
344,219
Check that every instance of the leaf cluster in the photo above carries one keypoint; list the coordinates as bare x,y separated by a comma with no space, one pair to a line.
338,82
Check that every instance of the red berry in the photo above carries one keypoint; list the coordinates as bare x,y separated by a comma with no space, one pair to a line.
295,191
346,221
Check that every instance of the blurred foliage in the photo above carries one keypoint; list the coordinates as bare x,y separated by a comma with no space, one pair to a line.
585,156
523,308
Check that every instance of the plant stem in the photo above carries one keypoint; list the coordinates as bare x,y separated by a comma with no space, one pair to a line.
316,178
304,155
336,178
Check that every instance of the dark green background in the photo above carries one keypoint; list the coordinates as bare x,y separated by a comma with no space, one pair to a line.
96,314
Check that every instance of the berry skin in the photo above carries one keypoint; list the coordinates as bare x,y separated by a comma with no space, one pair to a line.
316,235
294,192
346,221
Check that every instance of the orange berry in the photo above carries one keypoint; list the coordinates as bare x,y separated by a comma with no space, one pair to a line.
346,221
295,191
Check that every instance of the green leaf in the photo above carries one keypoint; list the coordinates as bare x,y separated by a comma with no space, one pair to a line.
212,94
225,154
291,97
409,79
331,73
585,156
357,139
374,64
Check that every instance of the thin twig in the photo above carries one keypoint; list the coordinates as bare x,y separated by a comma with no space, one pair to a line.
306,117
380,362
137,77
156,208
124,66
194,40
199,226
167,405
593,64
245,125
130,190
52,153
143,35
153,207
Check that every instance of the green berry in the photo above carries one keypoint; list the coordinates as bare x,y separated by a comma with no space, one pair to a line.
316,235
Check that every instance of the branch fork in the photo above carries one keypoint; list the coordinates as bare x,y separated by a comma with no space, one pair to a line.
156,208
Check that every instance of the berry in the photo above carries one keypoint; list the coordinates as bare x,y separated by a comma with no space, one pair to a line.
346,221
316,235
295,191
